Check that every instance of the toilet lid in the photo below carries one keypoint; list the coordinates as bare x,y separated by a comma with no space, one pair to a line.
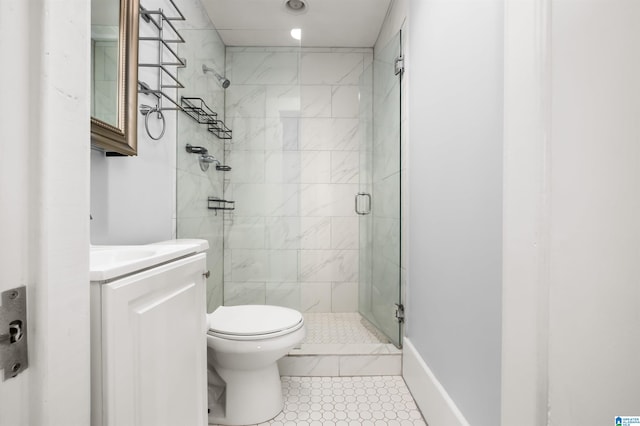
252,320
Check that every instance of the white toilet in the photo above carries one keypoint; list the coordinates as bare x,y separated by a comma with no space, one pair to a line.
244,344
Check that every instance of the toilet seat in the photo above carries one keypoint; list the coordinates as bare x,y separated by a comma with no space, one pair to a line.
253,322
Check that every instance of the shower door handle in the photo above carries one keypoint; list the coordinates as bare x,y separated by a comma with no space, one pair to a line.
357,204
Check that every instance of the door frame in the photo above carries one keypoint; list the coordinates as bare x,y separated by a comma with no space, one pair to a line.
44,198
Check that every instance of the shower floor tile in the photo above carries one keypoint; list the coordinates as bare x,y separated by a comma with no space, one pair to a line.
341,344
347,401
340,328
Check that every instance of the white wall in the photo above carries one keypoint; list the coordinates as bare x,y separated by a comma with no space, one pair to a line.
525,212
594,320
571,276
133,198
455,199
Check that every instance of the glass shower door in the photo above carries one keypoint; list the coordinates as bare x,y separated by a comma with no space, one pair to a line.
378,201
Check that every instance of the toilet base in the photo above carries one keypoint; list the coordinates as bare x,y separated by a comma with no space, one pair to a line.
250,396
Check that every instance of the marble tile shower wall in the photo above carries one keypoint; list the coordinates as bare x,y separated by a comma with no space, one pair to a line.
293,238
194,220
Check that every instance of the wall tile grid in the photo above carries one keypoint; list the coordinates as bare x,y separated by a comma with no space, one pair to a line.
194,219
293,238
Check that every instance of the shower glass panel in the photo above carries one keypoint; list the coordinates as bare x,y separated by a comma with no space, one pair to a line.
378,202
194,185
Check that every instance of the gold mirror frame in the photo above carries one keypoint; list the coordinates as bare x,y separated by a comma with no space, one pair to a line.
123,139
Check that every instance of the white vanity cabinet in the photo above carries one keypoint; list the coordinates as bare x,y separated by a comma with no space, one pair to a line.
148,347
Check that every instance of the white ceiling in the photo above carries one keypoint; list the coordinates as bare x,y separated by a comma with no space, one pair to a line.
326,23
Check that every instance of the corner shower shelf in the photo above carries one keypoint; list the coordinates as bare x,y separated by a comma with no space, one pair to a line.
220,130
197,109
215,203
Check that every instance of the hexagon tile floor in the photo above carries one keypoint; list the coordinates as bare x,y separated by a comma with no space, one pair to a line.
347,401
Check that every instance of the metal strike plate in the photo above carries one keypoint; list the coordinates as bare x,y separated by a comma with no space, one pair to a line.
13,332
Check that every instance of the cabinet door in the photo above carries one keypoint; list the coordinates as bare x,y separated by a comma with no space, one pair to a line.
154,347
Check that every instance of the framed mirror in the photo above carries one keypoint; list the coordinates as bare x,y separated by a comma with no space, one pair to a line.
114,75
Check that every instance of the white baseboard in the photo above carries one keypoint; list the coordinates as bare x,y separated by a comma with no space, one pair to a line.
433,400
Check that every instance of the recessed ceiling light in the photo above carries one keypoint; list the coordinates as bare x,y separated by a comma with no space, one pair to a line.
296,6
296,33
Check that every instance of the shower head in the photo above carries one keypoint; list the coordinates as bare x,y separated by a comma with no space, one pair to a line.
224,82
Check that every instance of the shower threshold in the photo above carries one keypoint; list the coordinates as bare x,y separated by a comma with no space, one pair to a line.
341,344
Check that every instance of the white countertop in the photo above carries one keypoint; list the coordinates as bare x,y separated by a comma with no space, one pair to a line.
109,262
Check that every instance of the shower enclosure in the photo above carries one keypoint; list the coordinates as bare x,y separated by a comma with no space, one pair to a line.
316,132
378,202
